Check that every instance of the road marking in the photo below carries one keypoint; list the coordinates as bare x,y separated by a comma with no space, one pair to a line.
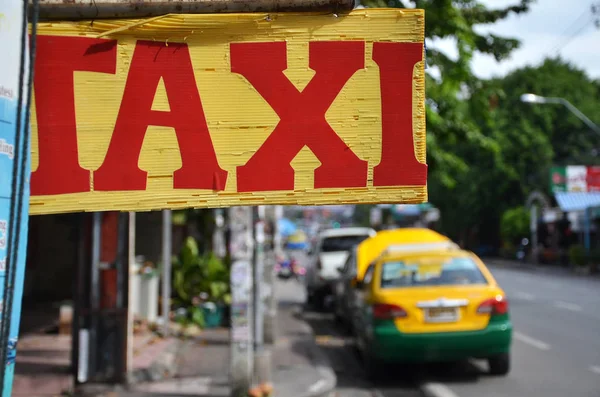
595,369
531,341
525,296
316,386
437,390
568,306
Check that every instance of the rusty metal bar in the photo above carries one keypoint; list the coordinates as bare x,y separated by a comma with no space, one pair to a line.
105,9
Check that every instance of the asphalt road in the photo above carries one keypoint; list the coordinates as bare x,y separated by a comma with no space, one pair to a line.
555,353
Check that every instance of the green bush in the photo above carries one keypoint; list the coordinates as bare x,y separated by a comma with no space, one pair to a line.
198,278
515,224
577,255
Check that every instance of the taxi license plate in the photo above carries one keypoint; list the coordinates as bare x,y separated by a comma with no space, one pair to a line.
441,315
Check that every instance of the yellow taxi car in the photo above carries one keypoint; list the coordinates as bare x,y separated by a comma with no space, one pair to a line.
359,258
430,307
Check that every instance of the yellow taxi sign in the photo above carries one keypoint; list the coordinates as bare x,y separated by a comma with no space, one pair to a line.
371,248
218,110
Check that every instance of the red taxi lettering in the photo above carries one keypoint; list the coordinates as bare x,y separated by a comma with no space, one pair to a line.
151,62
399,165
57,58
302,114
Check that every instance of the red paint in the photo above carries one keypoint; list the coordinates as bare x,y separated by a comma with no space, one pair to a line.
593,179
57,58
302,114
399,165
109,236
151,62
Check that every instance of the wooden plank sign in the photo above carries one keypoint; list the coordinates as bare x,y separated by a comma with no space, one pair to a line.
220,110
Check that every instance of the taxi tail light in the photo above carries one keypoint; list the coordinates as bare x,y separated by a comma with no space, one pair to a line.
384,311
494,306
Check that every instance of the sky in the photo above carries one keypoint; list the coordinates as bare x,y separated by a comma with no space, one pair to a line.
550,28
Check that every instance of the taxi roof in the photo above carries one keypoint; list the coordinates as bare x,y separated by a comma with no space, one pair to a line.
371,248
452,250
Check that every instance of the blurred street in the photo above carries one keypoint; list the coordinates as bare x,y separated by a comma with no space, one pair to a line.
556,350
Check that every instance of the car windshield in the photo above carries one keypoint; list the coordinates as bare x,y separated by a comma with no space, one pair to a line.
341,243
431,271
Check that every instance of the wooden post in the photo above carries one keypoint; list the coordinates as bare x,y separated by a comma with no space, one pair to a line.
99,9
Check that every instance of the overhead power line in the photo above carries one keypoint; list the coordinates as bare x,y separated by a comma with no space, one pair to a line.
593,17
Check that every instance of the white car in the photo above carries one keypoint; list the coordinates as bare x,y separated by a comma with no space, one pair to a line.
329,253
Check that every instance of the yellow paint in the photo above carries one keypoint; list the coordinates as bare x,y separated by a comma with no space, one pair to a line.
408,298
231,105
373,247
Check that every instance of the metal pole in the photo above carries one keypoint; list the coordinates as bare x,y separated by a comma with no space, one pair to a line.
258,271
95,290
277,240
262,356
131,297
534,241
587,227
241,248
166,279
594,127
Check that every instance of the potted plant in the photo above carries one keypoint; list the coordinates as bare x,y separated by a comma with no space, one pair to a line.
201,283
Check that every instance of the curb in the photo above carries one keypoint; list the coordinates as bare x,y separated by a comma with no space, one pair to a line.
328,381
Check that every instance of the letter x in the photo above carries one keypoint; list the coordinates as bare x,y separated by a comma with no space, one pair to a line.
302,114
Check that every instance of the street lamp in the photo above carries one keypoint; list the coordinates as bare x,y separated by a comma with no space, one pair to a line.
532,98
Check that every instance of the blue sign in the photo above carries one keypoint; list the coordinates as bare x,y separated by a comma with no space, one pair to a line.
11,95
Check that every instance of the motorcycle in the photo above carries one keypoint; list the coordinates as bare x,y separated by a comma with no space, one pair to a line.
287,268
523,249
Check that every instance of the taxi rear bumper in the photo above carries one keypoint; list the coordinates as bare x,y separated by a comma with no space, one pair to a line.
390,345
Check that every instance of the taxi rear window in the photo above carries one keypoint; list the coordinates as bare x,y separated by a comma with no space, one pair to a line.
436,271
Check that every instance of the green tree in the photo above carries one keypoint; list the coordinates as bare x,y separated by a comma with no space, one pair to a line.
458,149
515,224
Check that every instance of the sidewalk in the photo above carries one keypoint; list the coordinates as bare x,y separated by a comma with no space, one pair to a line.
201,365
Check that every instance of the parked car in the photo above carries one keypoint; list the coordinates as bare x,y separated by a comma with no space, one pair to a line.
330,252
367,251
434,306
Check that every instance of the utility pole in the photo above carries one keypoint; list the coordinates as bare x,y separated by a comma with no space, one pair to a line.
166,279
270,312
241,249
262,355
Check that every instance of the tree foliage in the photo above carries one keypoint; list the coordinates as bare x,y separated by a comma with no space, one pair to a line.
515,224
486,149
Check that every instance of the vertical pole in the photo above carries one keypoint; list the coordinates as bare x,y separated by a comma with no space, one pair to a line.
534,241
269,317
587,227
262,357
241,343
121,261
258,270
277,240
166,281
95,291
131,297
